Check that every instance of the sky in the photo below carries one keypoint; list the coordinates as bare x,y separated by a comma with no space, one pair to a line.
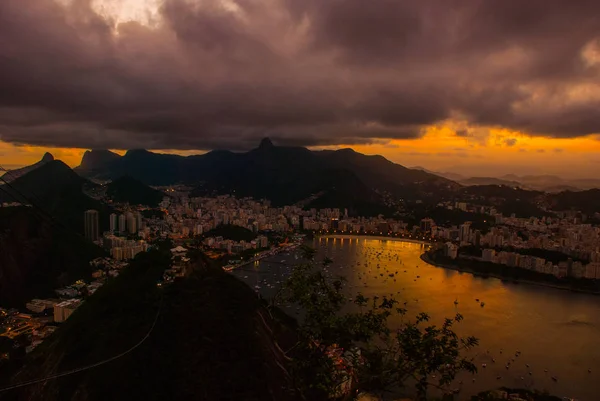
478,87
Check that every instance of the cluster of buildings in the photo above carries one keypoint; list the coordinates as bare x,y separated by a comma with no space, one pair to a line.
567,234
329,220
567,268
39,321
122,248
118,240
126,223
195,216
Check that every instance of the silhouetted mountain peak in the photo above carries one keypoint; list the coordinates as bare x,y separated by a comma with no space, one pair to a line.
14,174
266,143
137,152
96,158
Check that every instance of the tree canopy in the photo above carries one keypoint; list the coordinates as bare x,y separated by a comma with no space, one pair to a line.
346,344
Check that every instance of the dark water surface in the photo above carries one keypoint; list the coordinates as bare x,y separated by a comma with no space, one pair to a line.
555,330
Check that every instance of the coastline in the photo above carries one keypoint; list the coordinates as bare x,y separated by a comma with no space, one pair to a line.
373,237
425,258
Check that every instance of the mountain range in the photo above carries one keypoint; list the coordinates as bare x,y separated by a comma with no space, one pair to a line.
546,183
365,185
285,175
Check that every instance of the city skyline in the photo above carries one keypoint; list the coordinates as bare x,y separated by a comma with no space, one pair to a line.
492,87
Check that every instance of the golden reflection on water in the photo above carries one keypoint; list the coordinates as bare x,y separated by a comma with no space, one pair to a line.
555,330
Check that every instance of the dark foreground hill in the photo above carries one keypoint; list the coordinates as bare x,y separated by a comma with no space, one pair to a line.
212,341
58,191
14,174
36,256
128,189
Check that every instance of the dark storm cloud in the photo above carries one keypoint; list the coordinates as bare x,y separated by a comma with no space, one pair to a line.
310,72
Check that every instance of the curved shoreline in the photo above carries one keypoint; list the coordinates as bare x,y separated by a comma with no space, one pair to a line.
373,237
425,258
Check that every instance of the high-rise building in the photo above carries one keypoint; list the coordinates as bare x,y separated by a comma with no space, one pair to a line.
426,225
122,223
91,225
131,223
114,222
138,220
465,231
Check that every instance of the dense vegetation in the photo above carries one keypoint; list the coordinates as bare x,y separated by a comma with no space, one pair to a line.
349,347
129,190
232,232
585,201
449,217
38,255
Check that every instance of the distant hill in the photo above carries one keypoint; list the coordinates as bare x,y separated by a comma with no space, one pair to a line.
584,201
379,173
490,181
38,256
285,175
58,190
552,183
130,190
507,200
546,183
12,175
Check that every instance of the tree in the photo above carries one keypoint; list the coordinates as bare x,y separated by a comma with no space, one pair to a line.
345,347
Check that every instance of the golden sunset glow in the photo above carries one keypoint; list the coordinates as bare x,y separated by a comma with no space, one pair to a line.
484,152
